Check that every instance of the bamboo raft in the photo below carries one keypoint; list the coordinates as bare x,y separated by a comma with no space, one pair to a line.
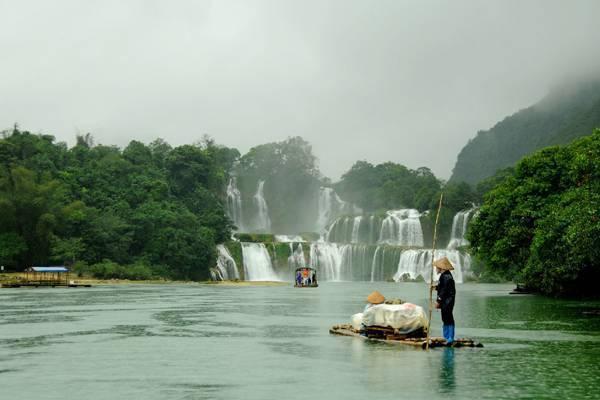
388,335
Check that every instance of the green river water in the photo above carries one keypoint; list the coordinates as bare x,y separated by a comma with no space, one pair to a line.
223,342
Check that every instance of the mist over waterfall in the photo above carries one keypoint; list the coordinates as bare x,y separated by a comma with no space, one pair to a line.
257,263
331,206
234,203
226,267
262,220
459,228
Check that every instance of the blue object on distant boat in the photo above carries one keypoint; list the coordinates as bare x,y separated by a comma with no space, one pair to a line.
50,269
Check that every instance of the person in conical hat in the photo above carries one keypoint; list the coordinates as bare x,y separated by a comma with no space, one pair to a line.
374,299
446,294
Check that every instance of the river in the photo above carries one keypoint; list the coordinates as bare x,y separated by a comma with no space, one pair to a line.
257,342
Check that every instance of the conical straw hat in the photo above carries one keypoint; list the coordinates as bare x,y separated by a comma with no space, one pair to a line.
375,298
443,263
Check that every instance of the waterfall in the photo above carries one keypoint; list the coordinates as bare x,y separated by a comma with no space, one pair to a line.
417,263
327,260
460,222
257,263
296,258
289,239
361,262
349,262
234,203
355,228
398,228
330,207
374,263
226,267
263,222
402,228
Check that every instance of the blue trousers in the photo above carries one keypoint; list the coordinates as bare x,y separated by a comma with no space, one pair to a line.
448,332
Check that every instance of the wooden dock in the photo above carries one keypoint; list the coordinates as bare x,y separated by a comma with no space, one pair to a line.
348,330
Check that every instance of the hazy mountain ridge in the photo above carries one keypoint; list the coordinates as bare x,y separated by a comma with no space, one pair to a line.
567,112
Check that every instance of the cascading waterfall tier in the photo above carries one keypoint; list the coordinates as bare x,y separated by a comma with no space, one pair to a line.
330,207
362,248
351,262
234,203
402,228
398,227
296,258
460,223
226,268
262,220
257,263
415,264
289,239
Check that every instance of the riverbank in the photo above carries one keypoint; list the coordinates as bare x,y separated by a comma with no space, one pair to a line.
7,278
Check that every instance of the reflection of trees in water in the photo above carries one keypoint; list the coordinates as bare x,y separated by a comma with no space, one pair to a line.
447,378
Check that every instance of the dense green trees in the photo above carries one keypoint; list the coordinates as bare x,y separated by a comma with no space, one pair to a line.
541,224
151,208
388,186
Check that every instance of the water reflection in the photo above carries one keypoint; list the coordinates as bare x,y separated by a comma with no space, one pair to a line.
447,378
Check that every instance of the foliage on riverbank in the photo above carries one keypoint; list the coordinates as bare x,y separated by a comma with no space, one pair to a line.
145,205
541,224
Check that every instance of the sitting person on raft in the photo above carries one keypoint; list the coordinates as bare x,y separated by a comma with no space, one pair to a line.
396,317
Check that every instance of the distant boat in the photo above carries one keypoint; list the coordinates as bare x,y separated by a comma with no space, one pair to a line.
305,277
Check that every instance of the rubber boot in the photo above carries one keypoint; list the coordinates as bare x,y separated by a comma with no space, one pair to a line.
450,337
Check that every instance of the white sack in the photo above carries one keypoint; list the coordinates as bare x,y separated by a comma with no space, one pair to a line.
357,320
405,317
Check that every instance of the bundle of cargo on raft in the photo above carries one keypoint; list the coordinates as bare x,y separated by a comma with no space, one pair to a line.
390,335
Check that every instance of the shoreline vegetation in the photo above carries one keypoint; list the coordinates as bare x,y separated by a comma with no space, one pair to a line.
156,213
11,277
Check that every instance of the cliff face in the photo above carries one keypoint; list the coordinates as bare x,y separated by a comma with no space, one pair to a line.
568,112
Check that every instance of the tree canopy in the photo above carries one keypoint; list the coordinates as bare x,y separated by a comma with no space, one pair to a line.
388,186
541,224
153,207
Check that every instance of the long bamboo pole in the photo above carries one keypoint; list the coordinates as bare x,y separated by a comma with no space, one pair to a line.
437,217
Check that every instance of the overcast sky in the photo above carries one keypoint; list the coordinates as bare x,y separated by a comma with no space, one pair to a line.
402,81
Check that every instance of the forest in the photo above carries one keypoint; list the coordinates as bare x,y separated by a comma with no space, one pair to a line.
152,211
540,225
149,211
140,212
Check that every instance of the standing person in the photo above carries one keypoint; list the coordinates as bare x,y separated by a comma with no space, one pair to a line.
446,293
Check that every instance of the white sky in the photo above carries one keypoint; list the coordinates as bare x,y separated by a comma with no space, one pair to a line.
402,81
